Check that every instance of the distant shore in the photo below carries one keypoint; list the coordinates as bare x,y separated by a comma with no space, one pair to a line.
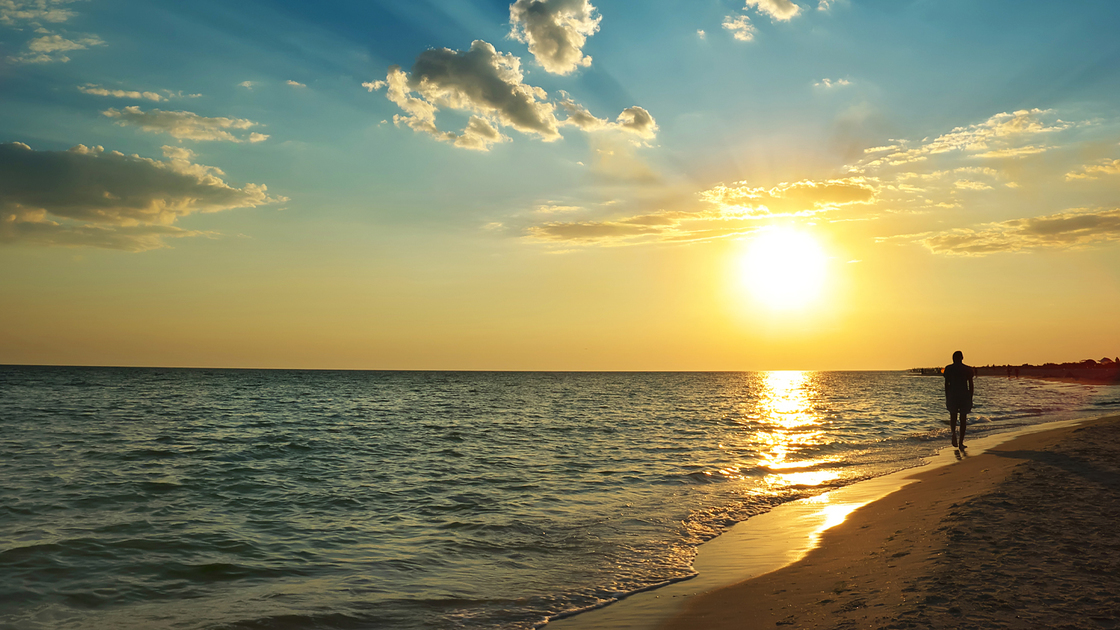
1104,372
1022,535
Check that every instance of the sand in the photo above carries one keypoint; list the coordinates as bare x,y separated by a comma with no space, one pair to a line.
1023,535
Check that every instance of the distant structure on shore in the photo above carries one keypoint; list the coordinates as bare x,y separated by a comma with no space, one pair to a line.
1104,371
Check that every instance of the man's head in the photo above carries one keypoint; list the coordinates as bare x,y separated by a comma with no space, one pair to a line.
958,356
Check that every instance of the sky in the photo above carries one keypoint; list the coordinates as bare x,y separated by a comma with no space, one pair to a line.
559,184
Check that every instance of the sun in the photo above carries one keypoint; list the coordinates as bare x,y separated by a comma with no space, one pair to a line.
784,269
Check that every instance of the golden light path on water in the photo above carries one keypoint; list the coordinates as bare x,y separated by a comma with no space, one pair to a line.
790,425
787,406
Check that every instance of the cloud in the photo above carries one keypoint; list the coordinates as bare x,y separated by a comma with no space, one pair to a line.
802,197
555,31
1068,229
701,34
780,10
967,184
296,84
635,120
12,12
1013,152
185,125
889,147
658,227
728,211
479,135
1093,171
553,208
591,231
97,90
489,86
1002,135
481,81
53,48
49,47
829,83
89,197
248,85
740,27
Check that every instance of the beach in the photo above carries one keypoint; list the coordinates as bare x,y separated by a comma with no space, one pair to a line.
1020,536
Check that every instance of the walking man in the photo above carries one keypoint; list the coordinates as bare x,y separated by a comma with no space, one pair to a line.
958,395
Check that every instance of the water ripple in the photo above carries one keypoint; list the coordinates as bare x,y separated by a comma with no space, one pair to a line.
155,498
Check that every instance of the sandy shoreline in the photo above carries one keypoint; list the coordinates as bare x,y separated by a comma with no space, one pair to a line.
1022,536
1019,533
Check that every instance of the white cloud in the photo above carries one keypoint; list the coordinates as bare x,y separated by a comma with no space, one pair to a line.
1068,229
1012,152
555,31
479,134
1003,135
781,10
967,184
740,27
701,34
1093,171
829,83
49,47
248,85
489,86
296,84
635,120
552,208
53,48
802,197
480,80
87,196
57,43
97,90
185,125
13,12
730,211
889,147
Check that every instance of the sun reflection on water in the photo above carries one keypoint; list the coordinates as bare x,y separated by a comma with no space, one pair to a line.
830,514
789,425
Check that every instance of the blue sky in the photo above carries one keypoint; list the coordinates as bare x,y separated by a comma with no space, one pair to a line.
575,156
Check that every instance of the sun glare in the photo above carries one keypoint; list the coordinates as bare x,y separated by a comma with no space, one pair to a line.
784,269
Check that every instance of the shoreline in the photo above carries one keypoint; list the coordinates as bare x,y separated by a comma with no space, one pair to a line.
772,550
962,547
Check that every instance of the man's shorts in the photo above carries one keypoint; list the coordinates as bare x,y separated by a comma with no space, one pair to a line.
958,404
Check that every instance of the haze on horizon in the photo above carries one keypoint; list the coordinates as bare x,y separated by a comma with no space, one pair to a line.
558,184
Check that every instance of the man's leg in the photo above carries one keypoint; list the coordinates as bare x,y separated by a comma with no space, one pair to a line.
964,427
953,425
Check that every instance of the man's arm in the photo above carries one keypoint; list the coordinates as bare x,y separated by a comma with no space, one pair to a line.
971,373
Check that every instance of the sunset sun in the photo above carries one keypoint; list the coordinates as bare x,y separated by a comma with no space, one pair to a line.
784,269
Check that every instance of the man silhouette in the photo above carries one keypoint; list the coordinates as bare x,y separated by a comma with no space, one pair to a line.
958,395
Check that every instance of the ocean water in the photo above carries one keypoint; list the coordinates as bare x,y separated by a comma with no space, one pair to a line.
166,498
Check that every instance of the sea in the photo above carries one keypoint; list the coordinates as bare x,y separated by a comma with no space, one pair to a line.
240,499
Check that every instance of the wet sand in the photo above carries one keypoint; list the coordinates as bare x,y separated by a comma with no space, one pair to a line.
1024,535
